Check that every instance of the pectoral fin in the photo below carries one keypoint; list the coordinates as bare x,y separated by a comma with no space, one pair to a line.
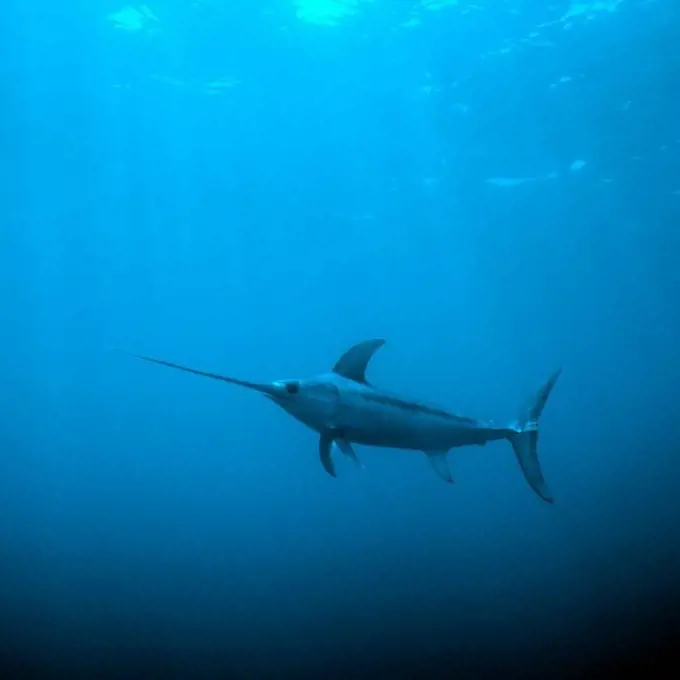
325,443
441,467
347,449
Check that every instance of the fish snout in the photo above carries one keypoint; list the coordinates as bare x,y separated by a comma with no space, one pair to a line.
284,389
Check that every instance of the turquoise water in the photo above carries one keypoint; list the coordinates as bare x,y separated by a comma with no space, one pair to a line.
250,188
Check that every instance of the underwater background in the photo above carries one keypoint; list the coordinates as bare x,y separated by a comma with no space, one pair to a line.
251,187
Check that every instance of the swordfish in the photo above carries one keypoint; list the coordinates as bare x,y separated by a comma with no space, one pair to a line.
345,409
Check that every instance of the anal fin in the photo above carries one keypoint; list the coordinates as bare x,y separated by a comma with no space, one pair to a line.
440,466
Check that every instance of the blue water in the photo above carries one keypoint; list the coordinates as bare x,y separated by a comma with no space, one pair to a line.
252,187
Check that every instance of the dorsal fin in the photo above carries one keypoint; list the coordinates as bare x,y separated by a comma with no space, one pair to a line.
352,364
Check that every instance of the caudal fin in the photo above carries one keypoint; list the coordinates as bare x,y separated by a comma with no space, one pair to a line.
524,438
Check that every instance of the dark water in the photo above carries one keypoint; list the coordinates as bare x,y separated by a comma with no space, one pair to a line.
248,191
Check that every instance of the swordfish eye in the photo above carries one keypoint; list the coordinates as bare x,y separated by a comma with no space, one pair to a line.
292,387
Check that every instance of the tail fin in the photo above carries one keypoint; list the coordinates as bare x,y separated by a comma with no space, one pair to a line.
524,439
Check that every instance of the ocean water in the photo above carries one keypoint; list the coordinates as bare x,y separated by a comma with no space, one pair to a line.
250,187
